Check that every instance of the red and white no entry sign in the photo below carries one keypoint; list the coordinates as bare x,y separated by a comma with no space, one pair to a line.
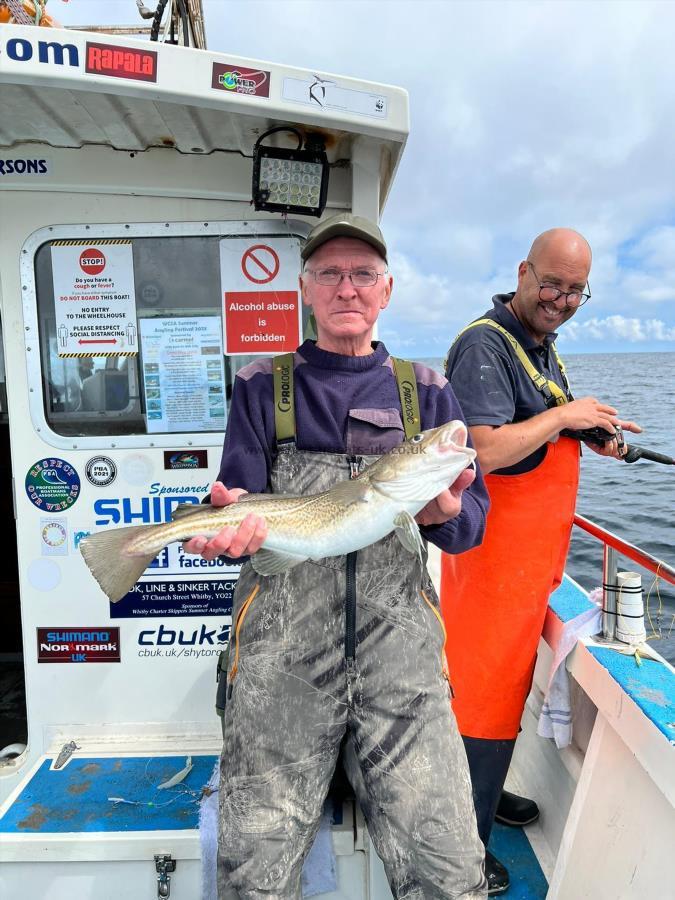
260,264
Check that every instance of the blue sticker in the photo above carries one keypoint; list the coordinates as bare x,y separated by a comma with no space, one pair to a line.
52,485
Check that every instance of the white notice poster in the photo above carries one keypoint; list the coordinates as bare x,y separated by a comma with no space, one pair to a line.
94,298
183,376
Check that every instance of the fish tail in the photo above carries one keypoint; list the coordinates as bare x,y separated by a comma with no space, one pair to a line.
115,571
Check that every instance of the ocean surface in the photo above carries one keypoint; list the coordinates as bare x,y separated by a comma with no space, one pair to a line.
635,501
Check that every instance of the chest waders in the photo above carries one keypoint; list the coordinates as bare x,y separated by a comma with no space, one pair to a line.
494,599
340,647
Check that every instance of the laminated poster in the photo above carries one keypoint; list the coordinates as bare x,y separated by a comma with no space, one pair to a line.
183,377
94,298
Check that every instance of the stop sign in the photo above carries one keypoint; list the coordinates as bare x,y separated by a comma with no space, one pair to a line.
92,261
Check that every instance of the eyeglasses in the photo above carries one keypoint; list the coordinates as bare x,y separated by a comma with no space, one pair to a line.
361,277
549,292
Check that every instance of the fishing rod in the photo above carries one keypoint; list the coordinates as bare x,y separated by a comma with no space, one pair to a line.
600,436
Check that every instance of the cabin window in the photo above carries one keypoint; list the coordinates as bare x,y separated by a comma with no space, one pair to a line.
145,356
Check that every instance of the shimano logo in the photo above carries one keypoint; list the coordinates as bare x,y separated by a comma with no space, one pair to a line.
408,406
284,403
63,636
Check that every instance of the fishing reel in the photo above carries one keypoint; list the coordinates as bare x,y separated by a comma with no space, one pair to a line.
631,452
596,435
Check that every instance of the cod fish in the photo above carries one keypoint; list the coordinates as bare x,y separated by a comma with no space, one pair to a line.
385,497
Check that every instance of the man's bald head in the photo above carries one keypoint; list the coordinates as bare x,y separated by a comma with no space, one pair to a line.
561,244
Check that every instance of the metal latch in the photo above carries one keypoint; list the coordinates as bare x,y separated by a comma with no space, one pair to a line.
163,865
64,754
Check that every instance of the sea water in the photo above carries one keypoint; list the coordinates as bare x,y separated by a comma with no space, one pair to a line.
635,501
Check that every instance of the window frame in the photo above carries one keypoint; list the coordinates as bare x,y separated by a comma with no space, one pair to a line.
33,350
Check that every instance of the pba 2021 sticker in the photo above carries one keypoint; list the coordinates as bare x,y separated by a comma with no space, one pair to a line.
52,485
100,471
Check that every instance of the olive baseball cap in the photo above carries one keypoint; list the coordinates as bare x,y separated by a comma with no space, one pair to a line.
344,225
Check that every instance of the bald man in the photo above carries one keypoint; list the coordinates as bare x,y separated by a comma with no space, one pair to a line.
511,384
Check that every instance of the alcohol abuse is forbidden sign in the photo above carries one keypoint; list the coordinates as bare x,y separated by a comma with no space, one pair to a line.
261,303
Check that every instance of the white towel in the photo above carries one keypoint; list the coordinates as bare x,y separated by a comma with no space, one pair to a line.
319,874
555,720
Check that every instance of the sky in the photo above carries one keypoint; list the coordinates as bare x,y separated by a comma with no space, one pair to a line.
524,116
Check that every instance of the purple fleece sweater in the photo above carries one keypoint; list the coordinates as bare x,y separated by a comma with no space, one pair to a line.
343,404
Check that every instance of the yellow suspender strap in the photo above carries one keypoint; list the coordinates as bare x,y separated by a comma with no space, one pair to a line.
284,405
407,391
548,388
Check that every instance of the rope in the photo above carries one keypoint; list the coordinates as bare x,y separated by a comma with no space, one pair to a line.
21,17
656,630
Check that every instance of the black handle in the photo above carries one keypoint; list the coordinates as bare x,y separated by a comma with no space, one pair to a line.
633,453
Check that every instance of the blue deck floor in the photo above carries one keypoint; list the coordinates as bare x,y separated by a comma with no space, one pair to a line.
512,849
76,799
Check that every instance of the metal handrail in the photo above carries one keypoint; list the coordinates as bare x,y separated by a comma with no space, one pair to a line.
613,545
641,557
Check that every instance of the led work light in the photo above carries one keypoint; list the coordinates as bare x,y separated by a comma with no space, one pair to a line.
290,180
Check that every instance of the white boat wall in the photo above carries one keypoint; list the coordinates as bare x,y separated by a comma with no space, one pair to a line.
132,269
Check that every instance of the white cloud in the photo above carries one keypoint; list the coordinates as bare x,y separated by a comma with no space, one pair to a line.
524,115
632,330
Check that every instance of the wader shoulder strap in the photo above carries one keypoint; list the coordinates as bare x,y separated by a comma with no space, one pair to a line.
407,391
284,405
553,395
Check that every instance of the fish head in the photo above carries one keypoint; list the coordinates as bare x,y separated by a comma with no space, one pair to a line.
422,467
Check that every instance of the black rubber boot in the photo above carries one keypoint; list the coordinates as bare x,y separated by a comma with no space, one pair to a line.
516,811
496,874
488,764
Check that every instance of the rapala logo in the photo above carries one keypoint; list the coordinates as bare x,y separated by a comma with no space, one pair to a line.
121,62
168,637
92,261
51,52
24,167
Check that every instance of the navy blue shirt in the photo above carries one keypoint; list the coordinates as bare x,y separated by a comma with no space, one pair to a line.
343,404
490,382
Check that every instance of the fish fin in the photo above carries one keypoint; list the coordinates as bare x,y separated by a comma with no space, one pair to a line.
354,491
408,533
272,562
115,572
188,509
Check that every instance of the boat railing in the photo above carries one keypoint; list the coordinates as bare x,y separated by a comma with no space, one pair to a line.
613,547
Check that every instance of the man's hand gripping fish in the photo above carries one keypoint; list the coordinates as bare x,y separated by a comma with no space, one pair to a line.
385,497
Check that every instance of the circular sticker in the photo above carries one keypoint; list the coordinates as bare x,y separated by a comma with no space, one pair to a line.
92,261
52,485
44,575
137,468
54,534
101,471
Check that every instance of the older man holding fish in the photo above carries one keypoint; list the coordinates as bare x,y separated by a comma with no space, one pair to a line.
328,647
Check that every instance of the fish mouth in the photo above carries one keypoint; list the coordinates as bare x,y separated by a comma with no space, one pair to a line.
452,438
